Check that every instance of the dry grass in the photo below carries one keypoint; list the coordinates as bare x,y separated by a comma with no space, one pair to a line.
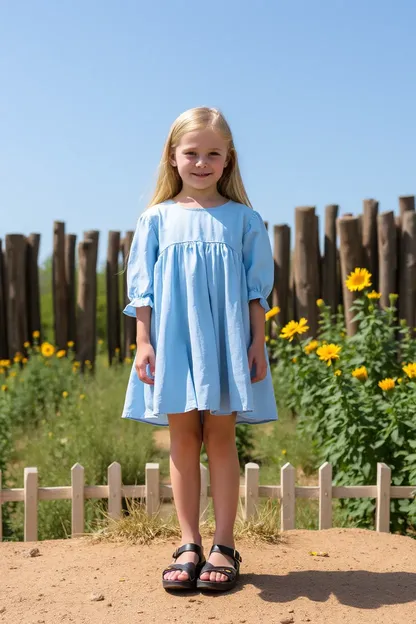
136,527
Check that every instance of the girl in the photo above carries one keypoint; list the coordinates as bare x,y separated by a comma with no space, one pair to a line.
199,273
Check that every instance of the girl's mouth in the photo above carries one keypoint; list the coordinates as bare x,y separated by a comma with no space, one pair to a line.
201,175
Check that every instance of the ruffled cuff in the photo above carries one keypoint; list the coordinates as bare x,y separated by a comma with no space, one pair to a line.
139,302
258,295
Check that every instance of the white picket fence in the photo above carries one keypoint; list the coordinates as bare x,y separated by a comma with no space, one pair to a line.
153,492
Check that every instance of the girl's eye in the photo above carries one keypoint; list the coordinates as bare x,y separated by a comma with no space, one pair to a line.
215,153
189,153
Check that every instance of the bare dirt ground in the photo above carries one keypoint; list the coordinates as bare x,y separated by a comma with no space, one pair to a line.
366,578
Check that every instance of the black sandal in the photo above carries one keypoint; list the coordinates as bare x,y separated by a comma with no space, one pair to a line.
190,568
229,571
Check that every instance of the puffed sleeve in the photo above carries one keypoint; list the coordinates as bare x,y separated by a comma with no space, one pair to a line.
258,260
140,267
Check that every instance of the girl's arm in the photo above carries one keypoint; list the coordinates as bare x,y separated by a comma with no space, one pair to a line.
256,355
145,353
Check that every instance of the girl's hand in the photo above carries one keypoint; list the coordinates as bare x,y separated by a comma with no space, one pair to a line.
145,355
257,358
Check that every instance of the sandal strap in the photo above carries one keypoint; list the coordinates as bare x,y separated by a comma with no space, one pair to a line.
226,550
228,571
189,567
196,548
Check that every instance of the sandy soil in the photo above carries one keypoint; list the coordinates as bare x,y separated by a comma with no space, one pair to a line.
366,578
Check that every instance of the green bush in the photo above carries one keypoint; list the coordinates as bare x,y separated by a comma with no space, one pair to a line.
355,397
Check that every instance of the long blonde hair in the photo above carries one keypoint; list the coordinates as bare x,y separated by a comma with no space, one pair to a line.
169,182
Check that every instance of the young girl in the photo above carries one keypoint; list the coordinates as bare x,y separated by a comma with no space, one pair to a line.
199,273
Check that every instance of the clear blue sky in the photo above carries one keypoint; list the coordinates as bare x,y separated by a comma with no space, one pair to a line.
320,95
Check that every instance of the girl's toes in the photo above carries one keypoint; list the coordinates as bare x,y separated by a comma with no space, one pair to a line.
205,576
183,576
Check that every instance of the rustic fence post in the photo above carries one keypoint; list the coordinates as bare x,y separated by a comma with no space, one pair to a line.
387,255
152,488
325,496
306,267
383,498
369,239
31,504
16,292
70,244
4,346
293,314
251,487
281,272
203,501
59,290
1,513
85,342
114,490
288,497
330,282
406,204
32,284
129,322
113,299
77,499
350,258
407,292
93,236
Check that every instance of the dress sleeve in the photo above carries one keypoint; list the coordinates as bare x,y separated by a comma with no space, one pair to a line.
258,261
142,258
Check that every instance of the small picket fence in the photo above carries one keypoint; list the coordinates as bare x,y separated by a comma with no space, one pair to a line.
153,492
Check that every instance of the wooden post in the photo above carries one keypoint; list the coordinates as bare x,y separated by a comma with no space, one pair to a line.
70,244
330,282
32,284
113,299
93,236
59,289
4,346
114,490
288,501
1,487
152,488
383,498
318,293
387,255
128,321
406,204
306,267
251,487
325,496
351,258
281,272
203,501
77,498
85,342
407,293
292,314
31,504
369,239
16,292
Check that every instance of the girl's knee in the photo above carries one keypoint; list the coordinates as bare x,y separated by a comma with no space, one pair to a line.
186,441
218,437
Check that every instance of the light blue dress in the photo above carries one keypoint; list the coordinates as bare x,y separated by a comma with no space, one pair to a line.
198,268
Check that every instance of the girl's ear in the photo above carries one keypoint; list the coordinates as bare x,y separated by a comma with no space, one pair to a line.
172,159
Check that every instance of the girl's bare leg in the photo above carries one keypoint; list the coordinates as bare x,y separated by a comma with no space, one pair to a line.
219,441
185,448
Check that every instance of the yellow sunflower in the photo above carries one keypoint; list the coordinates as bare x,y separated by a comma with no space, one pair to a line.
410,370
387,384
358,279
302,326
47,349
328,352
70,344
36,334
320,303
338,373
61,353
311,346
289,331
271,313
4,388
360,373
374,295
65,394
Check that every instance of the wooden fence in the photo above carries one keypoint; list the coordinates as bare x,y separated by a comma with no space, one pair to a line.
383,243
153,492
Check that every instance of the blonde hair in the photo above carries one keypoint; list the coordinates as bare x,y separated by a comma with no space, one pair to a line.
169,182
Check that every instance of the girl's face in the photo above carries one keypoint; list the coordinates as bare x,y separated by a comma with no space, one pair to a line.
200,157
